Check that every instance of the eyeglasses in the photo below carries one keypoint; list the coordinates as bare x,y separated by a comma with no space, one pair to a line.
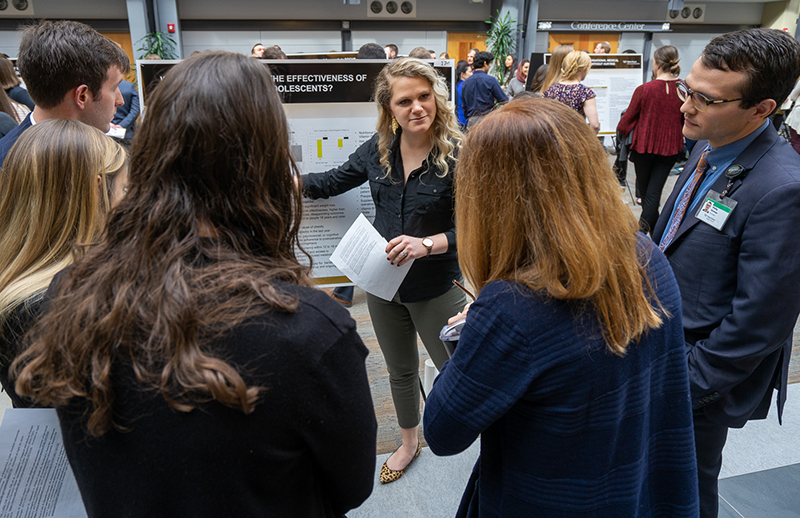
699,101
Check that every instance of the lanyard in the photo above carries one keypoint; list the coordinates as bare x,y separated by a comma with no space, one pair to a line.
732,173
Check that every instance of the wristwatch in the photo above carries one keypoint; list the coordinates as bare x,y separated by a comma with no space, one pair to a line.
428,243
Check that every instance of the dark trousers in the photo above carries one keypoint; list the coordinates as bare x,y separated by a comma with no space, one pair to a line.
651,175
709,439
344,293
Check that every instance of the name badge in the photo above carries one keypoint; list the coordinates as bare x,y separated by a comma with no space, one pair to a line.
715,210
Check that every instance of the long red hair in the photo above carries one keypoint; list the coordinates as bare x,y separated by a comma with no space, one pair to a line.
537,203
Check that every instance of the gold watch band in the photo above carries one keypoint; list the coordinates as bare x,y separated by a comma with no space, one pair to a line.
427,242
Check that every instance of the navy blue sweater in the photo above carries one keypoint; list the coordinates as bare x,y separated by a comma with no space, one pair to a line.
568,430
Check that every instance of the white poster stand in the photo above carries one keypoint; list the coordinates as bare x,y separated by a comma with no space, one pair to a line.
613,78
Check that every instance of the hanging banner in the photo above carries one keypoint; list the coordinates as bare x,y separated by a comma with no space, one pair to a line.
305,80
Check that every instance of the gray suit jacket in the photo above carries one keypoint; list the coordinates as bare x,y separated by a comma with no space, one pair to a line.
740,286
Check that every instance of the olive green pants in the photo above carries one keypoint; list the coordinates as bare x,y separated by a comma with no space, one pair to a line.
396,326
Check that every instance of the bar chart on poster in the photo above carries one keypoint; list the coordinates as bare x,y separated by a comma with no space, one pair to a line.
319,144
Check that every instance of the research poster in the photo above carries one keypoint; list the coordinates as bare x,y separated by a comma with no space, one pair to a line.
329,106
318,144
613,78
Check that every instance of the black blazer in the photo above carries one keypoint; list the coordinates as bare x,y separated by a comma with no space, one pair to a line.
739,286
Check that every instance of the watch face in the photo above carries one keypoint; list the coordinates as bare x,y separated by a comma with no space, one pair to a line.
428,242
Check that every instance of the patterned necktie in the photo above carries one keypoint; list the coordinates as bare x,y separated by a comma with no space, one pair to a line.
683,204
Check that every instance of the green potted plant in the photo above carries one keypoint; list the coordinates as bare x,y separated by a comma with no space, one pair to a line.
159,43
501,40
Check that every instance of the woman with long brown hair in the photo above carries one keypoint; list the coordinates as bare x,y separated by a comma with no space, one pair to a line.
571,363
517,84
409,164
58,183
17,111
11,83
195,370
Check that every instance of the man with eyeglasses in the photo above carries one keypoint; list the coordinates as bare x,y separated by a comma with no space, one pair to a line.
737,262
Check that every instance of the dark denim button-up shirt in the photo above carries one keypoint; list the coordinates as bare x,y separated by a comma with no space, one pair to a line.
421,208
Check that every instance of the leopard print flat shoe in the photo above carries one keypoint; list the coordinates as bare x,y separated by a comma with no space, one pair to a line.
390,475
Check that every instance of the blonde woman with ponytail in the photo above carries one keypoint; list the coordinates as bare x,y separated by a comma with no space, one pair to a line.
409,164
56,188
655,114
571,92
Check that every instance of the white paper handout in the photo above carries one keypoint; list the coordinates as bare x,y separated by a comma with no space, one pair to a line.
36,480
116,132
361,255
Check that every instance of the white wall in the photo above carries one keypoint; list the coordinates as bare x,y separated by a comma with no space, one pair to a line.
9,42
741,12
79,9
405,40
243,41
733,13
309,41
725,11
619,10
690,46
719,12
436,10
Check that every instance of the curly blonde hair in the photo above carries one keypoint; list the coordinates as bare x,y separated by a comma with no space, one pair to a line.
446,136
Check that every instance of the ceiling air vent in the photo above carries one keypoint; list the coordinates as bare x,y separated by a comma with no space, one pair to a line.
395,9
16,8
691,13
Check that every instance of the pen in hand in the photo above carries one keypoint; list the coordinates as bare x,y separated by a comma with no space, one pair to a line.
465,290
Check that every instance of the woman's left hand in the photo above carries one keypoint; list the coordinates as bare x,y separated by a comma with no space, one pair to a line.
461,315
403,248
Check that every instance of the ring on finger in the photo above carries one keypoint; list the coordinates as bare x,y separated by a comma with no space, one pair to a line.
405,253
